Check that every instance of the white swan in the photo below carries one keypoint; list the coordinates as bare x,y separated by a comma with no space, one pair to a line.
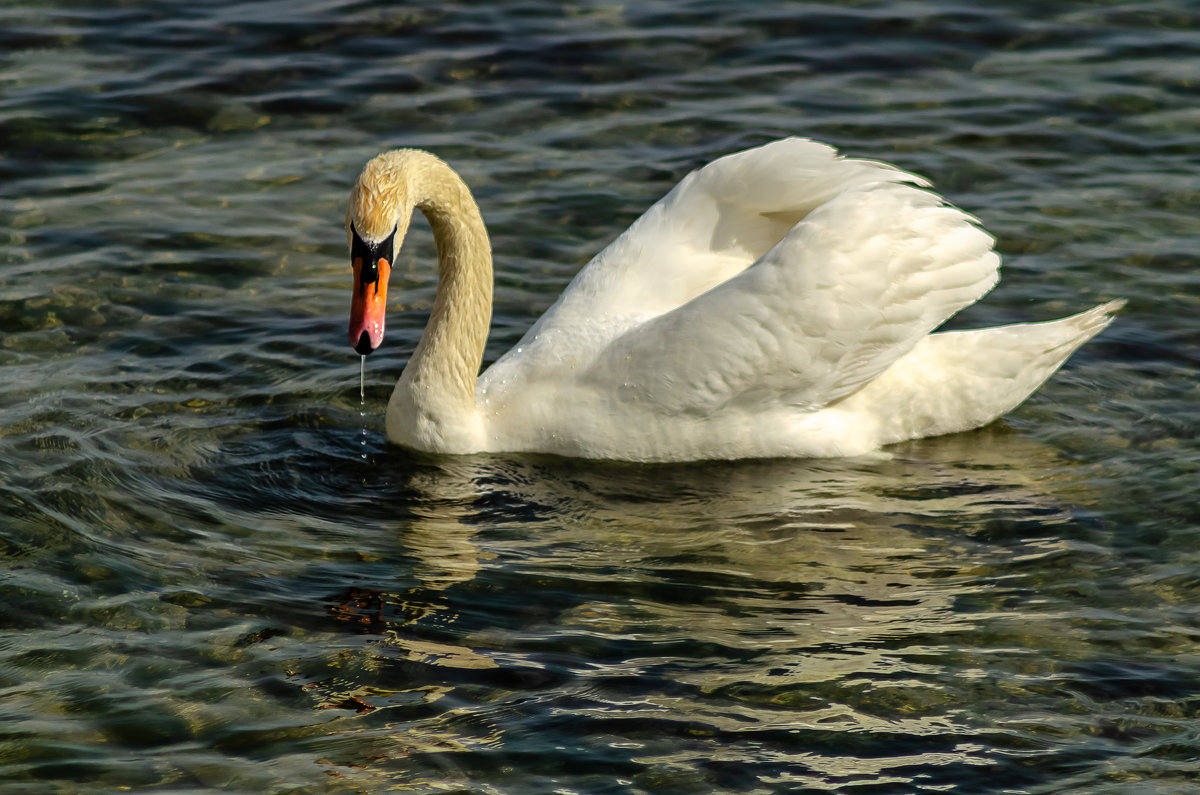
777,302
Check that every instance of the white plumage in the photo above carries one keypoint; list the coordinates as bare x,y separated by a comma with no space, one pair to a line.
777,302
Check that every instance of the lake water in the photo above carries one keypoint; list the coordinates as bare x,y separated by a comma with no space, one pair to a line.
212,580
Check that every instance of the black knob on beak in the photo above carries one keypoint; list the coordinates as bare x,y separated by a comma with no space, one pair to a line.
363,346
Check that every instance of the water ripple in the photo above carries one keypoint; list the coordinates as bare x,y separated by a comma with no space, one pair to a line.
206,586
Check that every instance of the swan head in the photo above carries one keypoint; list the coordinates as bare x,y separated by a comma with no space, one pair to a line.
376,221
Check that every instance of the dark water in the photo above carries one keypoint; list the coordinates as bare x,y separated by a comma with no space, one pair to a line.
205,586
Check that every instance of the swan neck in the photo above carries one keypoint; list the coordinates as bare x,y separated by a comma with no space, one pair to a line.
445,365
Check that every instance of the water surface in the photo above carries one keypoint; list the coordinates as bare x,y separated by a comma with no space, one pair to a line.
205,586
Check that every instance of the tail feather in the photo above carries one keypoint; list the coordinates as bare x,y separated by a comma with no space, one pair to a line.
1078,329
958,380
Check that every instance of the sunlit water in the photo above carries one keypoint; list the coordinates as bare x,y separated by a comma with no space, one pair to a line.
214,581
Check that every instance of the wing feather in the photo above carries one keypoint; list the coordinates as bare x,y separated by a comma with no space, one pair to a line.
846,292
713,225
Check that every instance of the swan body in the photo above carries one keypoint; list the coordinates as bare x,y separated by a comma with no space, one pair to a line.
778,302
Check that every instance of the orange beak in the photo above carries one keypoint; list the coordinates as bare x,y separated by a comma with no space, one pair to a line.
368,304
372,265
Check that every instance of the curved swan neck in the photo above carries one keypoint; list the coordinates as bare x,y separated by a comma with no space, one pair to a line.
439,381
452,345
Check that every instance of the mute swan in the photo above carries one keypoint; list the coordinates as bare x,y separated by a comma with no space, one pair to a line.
777,302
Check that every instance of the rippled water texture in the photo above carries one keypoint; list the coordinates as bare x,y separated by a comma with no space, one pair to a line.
207,587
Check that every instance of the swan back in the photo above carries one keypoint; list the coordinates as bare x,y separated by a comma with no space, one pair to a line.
718,221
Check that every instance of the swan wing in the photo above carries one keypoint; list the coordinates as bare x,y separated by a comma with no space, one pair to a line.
713,225
847,291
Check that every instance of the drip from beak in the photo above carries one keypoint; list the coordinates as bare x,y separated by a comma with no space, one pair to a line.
372,264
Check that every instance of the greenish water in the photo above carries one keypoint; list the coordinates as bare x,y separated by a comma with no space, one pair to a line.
204,586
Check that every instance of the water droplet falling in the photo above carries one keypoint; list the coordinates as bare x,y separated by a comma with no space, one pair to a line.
362,404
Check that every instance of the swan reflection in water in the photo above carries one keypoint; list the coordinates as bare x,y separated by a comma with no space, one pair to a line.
761,595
